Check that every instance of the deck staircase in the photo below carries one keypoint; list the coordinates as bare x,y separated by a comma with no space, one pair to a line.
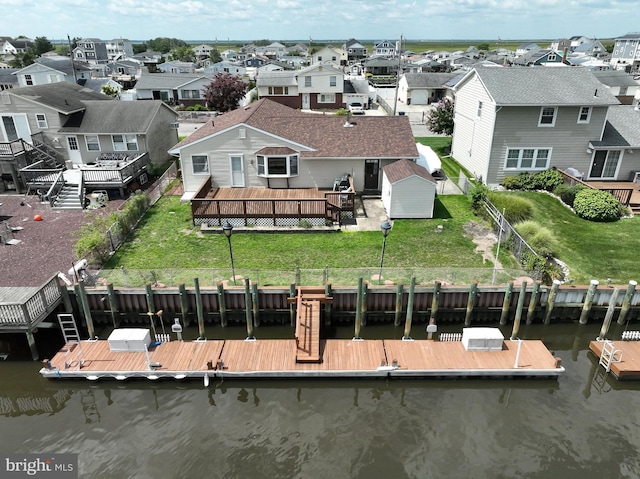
72,343
68,198
40,151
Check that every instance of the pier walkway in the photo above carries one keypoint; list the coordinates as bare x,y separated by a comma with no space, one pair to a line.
308,306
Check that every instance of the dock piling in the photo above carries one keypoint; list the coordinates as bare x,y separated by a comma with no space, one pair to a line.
551,300
399,297
531,311
609,315
113,304
247,309
473,292
407,324
519,307
292,305
222,304
588,301
327,305
626,301
86,309
505,303
434,306
363,304
151,309
199,309
255,305
184,304
356,335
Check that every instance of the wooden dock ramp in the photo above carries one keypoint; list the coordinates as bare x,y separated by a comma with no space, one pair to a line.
309,302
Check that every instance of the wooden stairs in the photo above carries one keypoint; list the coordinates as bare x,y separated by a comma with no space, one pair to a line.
309,301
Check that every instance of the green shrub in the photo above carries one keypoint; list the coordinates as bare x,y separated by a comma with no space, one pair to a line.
567,193
539,237
341,112
478,193
547,180
596,205
512,182
516,208
197,107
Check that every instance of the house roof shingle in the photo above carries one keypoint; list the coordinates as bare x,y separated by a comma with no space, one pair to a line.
544,86
622,128
401,169
615,78
114,117
428,80
64,97
150,81
324,136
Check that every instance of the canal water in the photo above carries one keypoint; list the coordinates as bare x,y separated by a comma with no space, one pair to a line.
584,425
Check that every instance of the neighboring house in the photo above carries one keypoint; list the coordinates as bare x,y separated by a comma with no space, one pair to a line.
225,67
385,48
423,88
381,66
229,55
9,46
269,145
123,68
355,50
526,47
560,45
177,67
593,64
149,58
47,70
95,50
330,54
540,58
408,190
511,120
180,89
591,48
617,155
8,78
621,84
313,87
626,53
80,123
96,84
203,51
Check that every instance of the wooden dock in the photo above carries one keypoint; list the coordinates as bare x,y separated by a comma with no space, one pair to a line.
308,305
627,362
278,358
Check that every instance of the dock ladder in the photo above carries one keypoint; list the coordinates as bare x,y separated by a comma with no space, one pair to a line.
609,355
71,338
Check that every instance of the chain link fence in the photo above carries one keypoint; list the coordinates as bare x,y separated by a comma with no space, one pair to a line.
311,277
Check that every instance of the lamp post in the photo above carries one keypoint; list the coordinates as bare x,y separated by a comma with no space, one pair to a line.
227,228
386,228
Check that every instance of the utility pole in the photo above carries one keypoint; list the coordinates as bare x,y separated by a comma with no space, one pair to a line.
395,99
73,66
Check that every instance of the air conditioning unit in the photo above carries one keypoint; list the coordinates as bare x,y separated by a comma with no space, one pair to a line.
174,126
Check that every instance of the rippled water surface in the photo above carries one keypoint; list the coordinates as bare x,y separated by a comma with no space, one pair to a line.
582,426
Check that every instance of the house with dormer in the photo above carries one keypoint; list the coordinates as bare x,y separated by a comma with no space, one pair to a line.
318,86
330,54
540,58
385,48
513,120
626,53
95,50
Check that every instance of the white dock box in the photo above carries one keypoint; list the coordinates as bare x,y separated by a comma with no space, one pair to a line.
129,340
482,339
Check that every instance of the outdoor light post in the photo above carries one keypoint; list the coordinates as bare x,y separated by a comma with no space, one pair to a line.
386,228
227,228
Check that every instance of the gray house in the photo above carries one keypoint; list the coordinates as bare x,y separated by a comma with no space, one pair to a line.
511,120
423,88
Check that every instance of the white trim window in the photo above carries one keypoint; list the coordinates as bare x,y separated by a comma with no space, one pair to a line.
548,116
280,166
93,142
552,57
41,120
584,115
125,142
333,80
200,164
527,159
327,98
190,94
278,90
28,79
307,82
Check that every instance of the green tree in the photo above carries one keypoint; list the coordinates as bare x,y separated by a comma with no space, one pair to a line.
225,92
139,48
165,44
183,54
483,46
42,45
21,60
440,119
110,91
215,56
263,43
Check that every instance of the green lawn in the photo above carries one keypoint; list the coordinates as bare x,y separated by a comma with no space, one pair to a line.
591,250
166,239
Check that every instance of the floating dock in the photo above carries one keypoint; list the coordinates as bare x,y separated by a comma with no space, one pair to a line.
621,358
276,358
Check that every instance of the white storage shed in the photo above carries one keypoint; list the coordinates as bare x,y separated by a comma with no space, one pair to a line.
408,190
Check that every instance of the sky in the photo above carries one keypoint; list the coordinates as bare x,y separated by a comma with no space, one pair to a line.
322,20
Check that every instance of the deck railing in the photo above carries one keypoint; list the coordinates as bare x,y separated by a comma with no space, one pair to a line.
204,207
623,195
37,307
120,173
13,148
40,173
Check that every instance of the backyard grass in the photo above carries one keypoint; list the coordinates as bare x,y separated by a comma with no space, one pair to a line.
591,250
165,238
442,146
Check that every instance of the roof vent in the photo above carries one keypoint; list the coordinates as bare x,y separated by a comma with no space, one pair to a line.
596,93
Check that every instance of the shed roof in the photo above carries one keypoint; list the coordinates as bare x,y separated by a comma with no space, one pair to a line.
402,169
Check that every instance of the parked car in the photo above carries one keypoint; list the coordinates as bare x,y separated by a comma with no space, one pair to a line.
356,108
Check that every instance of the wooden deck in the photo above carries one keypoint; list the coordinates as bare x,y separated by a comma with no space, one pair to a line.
629,366
308,307
277,358
615,186
265,194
